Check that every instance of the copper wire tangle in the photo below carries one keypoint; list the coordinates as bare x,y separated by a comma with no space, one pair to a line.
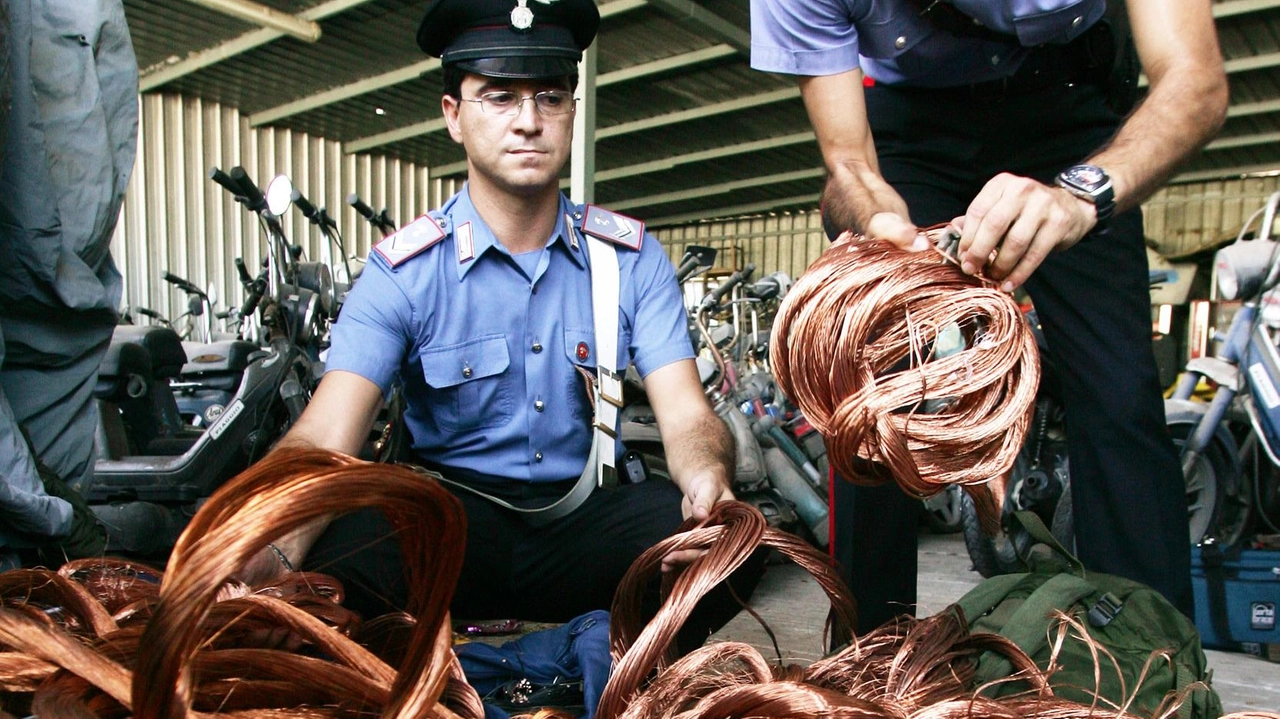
853,346
105,638
907,669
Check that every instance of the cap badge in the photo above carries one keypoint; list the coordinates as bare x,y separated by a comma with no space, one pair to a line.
521,15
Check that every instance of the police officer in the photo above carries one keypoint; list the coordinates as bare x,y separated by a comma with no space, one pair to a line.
71,136
1010,115
483,310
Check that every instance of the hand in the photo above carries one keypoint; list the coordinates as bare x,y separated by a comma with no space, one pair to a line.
1020,221
896,229
701,493
262,568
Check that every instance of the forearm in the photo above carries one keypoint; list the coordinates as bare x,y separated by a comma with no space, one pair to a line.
1160,135
701,447
855,193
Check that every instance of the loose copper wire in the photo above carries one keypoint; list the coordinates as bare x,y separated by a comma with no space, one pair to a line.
70,604
299,486
852,346
906,669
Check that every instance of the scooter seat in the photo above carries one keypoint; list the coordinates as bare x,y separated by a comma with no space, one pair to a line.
162,343
227,356
123,372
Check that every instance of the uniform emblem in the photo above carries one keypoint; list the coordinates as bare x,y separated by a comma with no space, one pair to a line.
521,15
462,238
619,229
583,352
573,235
410,240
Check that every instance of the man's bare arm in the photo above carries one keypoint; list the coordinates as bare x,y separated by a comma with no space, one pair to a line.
339,418
856,196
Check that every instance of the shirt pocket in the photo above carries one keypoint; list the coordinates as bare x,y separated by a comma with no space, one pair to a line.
471,384
580,347
1060,25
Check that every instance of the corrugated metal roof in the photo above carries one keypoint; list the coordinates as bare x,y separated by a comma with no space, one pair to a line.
685,128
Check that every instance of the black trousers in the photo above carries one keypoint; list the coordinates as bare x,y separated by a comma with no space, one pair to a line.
937,149
514,570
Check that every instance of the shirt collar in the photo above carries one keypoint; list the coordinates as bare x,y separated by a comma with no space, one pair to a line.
473,241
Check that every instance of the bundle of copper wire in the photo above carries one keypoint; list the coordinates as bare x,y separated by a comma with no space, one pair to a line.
191,640
907,668
853,346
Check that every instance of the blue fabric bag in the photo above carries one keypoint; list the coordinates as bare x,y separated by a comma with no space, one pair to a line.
577,651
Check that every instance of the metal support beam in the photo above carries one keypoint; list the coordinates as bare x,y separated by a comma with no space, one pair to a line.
1228,8
404,133
344,92
1227,173
157,75
670,163
736,210
1227,143
687,10
719,189
582,162
253,13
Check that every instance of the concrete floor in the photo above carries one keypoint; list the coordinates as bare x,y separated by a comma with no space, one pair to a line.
794,606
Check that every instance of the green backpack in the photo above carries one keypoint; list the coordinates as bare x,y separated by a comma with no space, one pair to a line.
1129,619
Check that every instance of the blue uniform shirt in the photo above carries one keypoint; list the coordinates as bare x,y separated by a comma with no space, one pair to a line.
489,353
894,45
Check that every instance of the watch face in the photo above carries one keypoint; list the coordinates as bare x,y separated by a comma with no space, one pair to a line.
1087,176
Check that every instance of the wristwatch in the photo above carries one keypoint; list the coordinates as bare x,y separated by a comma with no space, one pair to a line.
1091,183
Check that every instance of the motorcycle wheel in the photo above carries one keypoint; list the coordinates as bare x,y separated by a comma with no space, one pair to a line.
1207,484
944,512
999,554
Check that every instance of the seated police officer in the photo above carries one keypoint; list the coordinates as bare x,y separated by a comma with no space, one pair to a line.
483,310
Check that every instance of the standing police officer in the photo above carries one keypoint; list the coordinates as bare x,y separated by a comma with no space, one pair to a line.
1009,115
483,309
71,136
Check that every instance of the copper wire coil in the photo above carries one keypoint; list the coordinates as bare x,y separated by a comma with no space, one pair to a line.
853,346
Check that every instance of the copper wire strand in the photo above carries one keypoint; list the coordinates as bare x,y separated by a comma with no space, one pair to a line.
851,347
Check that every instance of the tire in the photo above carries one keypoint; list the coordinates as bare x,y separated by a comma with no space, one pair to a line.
1000,554
1215,471
944,512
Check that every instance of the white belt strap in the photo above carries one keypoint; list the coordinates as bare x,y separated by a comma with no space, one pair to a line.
604,306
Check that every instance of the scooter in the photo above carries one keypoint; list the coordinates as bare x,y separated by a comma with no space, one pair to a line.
153,470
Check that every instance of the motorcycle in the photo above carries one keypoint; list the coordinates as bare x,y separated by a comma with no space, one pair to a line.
1040,479
152,469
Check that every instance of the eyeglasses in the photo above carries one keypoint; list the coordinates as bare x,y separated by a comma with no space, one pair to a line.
505,103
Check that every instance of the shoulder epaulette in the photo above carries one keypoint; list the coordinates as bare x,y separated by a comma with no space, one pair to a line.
410,240
608,225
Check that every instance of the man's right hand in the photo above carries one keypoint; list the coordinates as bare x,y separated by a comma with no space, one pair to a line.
896,229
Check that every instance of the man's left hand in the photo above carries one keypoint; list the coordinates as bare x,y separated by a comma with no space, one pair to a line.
701,493
1021,221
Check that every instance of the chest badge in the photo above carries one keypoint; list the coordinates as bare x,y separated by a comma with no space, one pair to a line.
583,352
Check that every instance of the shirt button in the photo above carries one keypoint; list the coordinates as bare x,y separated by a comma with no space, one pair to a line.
466,372
900,43
1076,22
537,456
995,59
537,347
539,405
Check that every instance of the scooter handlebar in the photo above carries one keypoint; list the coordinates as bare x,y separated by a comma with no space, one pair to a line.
308,209
365,211
249,190
714,296
182,284
223,179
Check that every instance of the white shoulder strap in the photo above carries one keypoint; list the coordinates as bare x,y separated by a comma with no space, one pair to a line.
605,292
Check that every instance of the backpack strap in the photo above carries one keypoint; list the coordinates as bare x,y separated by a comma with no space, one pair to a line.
1031,523
1028,626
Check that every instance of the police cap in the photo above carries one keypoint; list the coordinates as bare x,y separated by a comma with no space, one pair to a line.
510,38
